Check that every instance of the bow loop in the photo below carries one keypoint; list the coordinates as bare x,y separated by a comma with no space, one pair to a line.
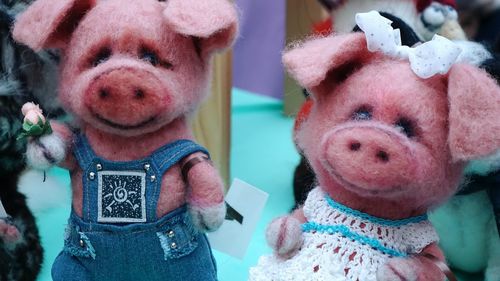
426,60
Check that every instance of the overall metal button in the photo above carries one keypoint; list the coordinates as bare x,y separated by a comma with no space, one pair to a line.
153,178
171,234
82,243
91,175
147,167
99,167
173,245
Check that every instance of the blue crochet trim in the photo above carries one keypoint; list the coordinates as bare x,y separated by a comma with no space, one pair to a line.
380,221
346,232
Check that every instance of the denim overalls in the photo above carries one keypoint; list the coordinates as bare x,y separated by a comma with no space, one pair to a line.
119,237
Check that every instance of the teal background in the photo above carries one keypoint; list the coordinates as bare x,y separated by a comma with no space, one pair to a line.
262,154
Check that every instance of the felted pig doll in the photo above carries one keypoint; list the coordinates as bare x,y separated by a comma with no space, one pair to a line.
131,74
388,140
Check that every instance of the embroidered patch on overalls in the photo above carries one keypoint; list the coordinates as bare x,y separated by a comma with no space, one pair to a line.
121,197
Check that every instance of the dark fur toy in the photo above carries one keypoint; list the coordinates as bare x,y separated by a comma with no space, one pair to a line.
24,76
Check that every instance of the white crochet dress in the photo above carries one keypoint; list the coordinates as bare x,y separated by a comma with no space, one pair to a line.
341,244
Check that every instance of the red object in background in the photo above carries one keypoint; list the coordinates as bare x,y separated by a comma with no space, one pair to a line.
422,4
304,112
323,28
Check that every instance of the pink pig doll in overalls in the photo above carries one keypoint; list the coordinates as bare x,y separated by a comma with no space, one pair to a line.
132,72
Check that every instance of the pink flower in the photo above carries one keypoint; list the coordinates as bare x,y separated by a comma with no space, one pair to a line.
32,113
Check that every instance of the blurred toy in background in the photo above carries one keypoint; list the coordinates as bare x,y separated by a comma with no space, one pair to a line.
480,19
426,17
388,140
24,76
470,222
132,73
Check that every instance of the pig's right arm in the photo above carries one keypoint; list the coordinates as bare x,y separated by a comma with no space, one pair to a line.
52,150
284,234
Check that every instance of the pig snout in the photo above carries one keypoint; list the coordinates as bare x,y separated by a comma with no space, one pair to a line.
369,158
126,98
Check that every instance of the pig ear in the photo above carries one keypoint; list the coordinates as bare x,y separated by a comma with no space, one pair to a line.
50,23
474,123
213,22
313,62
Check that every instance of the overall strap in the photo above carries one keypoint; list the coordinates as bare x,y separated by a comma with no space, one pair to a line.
171,154
82,151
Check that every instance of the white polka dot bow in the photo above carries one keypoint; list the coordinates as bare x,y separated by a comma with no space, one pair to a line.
426,60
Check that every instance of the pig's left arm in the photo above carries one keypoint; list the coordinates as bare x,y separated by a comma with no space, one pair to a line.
418,267
53,149
205,192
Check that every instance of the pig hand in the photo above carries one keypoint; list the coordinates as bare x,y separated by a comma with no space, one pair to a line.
409,269
8,232
284,236
209,218
45,149
206,193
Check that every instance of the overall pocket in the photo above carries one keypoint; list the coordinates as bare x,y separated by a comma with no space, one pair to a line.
178,238
77,244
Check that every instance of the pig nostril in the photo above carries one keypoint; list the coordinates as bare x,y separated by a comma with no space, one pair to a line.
384,156
103,94
355,146
139,94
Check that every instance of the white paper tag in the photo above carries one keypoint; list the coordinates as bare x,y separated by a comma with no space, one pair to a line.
245,204
3,213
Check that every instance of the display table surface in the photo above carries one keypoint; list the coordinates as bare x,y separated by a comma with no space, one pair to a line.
262,154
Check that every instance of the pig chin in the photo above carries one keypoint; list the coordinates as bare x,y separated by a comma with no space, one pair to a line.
365,190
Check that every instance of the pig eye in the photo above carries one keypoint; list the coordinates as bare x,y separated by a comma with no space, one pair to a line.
363,113
152,58
149,56
103,55
406,126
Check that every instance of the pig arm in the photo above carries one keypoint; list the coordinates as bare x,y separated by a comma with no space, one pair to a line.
415,268
205,195
54,149
284,234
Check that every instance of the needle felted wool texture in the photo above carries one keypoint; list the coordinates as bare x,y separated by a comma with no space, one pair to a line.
132,73
385,143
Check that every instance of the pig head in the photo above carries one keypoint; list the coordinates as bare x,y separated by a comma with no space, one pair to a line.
377,131
130,67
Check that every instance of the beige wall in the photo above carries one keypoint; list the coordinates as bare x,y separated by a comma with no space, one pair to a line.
212,123
300,17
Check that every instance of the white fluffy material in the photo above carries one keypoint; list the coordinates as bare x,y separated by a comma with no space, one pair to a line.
40,195
433,16
208,218
472,52
53,145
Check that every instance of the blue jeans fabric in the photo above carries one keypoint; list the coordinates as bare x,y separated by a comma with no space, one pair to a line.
119,236
135,252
